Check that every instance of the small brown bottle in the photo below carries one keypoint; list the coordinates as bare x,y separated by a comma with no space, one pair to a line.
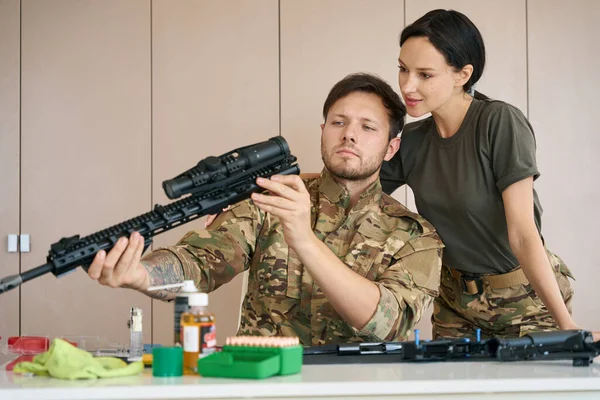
198,332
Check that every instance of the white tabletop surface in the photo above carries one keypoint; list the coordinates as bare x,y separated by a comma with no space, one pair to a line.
540,379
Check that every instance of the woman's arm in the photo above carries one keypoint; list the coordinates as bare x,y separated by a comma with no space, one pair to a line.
527,246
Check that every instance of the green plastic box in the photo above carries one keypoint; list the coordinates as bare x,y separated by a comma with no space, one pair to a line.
251,362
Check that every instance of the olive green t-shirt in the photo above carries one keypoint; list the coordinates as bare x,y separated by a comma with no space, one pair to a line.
458,181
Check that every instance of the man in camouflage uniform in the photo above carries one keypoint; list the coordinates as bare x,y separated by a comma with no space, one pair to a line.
331,259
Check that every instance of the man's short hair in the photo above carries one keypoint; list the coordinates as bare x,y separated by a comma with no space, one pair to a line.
368,83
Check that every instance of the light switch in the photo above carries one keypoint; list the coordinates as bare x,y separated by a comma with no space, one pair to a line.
24,243
12,243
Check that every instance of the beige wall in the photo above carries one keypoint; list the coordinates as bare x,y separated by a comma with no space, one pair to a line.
563,106
85,141
9,158
141,90
215,87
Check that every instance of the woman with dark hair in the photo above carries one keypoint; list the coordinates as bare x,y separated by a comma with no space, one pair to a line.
471,166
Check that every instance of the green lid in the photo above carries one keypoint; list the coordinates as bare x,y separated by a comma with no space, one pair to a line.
167,361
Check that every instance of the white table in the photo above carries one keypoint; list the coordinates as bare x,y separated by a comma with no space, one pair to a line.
462,380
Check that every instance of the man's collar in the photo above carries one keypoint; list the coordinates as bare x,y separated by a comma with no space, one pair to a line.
338,194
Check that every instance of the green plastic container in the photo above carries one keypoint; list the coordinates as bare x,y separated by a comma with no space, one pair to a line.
167,361
251,362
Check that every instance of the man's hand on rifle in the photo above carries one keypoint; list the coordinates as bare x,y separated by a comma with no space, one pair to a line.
121,267
289,200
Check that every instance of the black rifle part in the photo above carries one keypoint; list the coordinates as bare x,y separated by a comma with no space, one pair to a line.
576,345
213,184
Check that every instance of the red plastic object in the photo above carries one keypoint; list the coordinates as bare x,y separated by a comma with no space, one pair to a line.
27,345
11,365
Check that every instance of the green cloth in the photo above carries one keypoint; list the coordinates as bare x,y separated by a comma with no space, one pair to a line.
65,361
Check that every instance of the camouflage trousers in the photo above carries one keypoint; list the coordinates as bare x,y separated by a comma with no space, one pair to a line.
508,312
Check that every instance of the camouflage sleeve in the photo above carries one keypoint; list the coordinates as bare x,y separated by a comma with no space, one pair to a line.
214,256
407,289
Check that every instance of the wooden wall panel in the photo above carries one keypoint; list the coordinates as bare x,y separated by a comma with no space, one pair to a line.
9,158
85,152
563,104
215,88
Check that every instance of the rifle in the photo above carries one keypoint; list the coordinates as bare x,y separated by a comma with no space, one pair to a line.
576,345
213,184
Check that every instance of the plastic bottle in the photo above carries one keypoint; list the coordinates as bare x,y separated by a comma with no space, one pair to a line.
181,306
136,338
198,332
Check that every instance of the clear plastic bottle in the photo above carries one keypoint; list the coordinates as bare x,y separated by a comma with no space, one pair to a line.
136,338
198,331
181,306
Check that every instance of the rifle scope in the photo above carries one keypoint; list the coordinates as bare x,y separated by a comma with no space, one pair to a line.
215,169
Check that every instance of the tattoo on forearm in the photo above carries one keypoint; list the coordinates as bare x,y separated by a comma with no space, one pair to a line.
164,269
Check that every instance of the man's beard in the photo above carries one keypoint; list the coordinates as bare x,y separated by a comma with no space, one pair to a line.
360,173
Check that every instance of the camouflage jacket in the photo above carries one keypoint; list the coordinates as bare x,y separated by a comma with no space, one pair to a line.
379,239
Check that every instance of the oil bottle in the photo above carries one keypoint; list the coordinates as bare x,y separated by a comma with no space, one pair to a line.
198,332
181,306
